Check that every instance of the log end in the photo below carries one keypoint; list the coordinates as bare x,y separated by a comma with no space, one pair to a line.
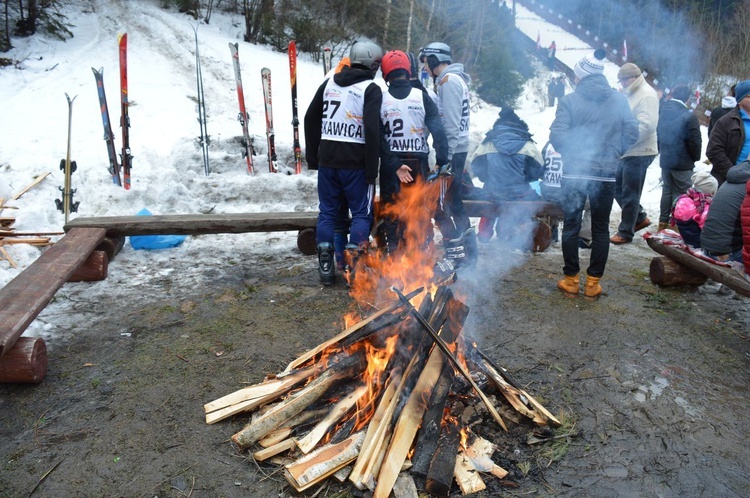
306,242
25,362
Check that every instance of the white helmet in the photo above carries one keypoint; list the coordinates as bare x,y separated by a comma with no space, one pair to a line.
366,53
436,53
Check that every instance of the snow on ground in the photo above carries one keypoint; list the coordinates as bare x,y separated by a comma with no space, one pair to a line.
167,175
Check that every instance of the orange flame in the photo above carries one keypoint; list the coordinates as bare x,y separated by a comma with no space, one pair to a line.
412,264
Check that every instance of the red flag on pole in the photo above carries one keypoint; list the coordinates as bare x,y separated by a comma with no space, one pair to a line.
538,40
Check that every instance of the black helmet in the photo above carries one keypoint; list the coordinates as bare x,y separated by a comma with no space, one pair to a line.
366,53
436,53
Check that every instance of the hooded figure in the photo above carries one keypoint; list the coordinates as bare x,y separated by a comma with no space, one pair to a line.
508,159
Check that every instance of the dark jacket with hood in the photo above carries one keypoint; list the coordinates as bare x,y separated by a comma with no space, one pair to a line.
725,144
722,232
345,155
679,135
593,128
507,160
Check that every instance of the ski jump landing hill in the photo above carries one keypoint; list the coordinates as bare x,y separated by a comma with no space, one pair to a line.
535,19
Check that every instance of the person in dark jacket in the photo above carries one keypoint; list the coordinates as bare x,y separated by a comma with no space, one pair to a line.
728,103
342,134
593,128
721,238
506,161
679,138
406,113
729,143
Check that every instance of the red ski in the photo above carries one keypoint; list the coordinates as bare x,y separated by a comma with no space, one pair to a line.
125,158
247,146
265,74
295,117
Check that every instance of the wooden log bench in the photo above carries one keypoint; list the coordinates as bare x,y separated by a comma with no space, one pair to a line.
118,227
723,274
24,297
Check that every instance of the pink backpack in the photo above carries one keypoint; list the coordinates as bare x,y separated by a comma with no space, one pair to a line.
693,206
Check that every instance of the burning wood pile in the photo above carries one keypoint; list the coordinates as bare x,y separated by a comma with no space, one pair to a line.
397,391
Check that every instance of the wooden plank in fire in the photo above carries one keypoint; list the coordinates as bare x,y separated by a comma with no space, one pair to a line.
290,407
323,462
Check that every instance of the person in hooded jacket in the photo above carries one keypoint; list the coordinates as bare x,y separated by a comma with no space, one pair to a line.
721,237
406,113
506,161
592,129
454,102
679,138
342,136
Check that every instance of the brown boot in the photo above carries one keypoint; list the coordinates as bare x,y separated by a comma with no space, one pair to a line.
570,285
592,290
662,226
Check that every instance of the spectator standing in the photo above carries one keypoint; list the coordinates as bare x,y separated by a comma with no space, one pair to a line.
452,88
679,138
552,92
593,127
407,112
729,142
551,52
342,133
721,238
631,172
727,104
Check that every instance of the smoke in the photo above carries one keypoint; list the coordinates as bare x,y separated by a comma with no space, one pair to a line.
661,41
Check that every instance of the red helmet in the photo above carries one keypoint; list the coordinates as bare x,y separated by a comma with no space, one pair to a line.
395,59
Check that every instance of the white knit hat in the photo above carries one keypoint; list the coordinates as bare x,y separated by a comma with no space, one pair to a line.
588,66
703,181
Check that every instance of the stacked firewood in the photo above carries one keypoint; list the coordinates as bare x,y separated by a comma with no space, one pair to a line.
393,393
8,234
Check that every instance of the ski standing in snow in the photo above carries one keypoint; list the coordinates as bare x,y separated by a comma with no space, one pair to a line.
203,140
295,116
109,138
125,158
326,60
265,74
243,117
66,204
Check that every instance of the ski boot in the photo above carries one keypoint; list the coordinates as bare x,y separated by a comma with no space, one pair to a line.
351,257
326,264
455,251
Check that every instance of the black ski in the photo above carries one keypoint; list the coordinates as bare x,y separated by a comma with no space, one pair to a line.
109,138
266,77
203,140
243,117
66,204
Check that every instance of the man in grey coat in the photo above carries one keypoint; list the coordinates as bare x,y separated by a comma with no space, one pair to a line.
593,127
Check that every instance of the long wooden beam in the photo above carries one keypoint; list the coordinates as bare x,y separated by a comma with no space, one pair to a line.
722,274
24,297
197,224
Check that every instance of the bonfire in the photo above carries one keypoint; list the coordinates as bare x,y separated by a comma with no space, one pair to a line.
394,394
